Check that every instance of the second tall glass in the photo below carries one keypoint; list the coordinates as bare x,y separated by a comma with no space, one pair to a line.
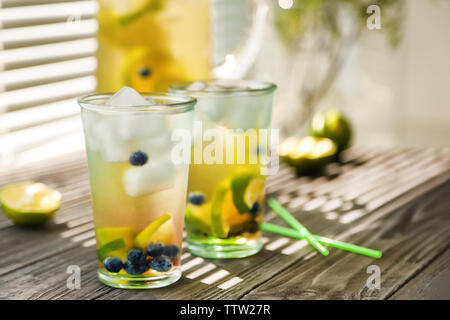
226,186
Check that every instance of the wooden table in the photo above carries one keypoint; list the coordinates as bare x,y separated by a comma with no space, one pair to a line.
397,201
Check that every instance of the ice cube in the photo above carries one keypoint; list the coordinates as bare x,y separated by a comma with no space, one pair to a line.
128,97
196,86
140,126
156,145
150,178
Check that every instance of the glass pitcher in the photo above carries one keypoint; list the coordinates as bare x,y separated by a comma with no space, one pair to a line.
150,44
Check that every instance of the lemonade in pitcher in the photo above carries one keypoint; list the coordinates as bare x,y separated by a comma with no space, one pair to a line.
227,175
150,44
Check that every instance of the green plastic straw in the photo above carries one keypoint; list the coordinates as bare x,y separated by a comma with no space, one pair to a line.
325,241
294,223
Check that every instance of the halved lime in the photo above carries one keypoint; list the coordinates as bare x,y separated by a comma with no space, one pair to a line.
332,124
308,154
199,217
160,230
29,203
247,188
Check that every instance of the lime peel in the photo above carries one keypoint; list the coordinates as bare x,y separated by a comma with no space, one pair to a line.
29,203
109,247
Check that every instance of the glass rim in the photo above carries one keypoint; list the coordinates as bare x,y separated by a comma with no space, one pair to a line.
231,87
180,103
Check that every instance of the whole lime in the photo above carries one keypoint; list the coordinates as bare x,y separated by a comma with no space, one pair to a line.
332,124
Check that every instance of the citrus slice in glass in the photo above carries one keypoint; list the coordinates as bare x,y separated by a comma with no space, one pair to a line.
161,230
198,217
225,217
247,188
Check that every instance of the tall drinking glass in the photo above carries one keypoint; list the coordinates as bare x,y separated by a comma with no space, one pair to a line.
138,193
226,186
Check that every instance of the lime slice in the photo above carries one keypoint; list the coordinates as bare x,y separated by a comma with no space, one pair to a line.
199,217
127,234
225,217
108,249
29,203
139,11
219,229
247,188
160,230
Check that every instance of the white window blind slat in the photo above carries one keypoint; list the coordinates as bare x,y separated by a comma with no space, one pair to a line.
19,141
25,77
47,93
29,56
47,59
20,3
48,13
21,119
58,146
41,34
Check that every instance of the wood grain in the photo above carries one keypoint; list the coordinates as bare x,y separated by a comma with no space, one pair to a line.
400,185
432,283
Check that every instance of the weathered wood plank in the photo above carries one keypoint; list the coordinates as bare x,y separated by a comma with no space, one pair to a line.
410,237
432,283
50,254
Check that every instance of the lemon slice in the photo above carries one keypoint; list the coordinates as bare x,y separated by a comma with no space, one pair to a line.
199,217
225,217
29,203
108,235
247,188
219,229
160,230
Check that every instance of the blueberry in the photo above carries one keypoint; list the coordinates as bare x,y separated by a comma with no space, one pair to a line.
155,249
145,72
135,269
161,264
136,257
255,208
138,158
171,251
254,227
196,198
113,264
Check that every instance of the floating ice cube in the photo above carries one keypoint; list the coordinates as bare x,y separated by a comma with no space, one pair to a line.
212,109
140,126
196,86
128,97
157,145
150,178
249,113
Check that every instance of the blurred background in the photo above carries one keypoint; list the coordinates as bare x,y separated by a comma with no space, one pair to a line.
384,64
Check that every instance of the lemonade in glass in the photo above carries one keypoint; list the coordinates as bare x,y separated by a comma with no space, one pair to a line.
226,188
138,193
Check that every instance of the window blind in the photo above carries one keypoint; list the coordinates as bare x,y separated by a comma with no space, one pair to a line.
47,59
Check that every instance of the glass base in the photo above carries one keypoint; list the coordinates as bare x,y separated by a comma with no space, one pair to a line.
225,250
125,282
